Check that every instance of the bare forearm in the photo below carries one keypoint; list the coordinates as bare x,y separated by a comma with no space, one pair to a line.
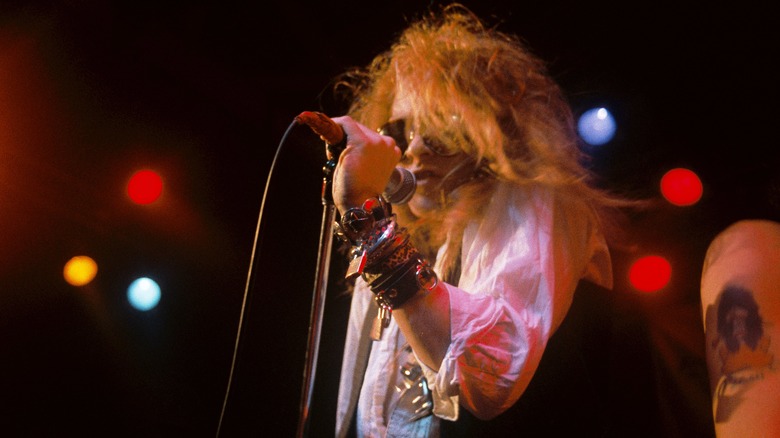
425,322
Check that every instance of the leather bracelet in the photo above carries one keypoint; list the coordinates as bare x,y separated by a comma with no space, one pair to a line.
395,250
394,290
371,230
356,224
379,281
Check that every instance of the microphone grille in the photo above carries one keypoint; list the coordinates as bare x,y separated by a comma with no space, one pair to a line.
401,187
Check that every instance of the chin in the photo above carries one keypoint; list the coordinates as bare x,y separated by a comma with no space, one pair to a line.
421,205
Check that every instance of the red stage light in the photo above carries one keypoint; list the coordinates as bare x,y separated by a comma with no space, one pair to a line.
681,187
145,187
650,273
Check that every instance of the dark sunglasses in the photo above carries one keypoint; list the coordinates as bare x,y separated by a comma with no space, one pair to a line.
397,130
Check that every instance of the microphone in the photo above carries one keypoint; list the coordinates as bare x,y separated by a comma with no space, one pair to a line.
401,187
402,184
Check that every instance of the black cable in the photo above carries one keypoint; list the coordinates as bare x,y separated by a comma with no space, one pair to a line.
250,276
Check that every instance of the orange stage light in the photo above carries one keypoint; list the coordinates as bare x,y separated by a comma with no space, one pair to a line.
80,270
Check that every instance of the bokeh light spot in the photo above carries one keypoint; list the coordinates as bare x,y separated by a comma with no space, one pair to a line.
650,273
143,294
80,270
596,126
145,187
681,187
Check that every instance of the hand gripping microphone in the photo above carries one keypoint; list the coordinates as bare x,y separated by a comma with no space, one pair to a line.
402,184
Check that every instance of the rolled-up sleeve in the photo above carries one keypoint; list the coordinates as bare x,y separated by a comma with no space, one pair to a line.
519,270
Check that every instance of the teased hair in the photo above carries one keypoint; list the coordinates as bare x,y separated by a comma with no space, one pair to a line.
492,96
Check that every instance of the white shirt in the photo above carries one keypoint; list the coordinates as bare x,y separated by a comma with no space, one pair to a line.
520,266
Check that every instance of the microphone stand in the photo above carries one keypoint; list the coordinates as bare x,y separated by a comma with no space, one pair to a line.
320,287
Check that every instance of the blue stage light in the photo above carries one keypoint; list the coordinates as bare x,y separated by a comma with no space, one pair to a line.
596,126
143,294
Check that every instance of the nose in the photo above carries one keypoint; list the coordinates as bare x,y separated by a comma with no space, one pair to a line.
416,150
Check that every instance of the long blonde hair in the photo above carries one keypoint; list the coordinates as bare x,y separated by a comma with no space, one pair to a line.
495,99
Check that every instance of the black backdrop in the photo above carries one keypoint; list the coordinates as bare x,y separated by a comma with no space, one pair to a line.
91,91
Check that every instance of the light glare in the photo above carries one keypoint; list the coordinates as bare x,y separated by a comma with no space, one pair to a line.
681,187
80,270
145,187
143,294
596,126
650,273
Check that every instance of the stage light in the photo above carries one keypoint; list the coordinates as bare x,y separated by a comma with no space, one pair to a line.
145,187
80,270
681,187
596,126
143,294
650,273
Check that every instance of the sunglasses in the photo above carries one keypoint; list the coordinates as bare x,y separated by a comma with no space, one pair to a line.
403,135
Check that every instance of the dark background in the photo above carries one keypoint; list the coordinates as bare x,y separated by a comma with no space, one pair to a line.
203,93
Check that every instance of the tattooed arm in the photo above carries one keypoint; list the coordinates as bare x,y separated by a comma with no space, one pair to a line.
740,296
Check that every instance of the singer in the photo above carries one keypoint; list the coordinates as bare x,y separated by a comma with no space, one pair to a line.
457,291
